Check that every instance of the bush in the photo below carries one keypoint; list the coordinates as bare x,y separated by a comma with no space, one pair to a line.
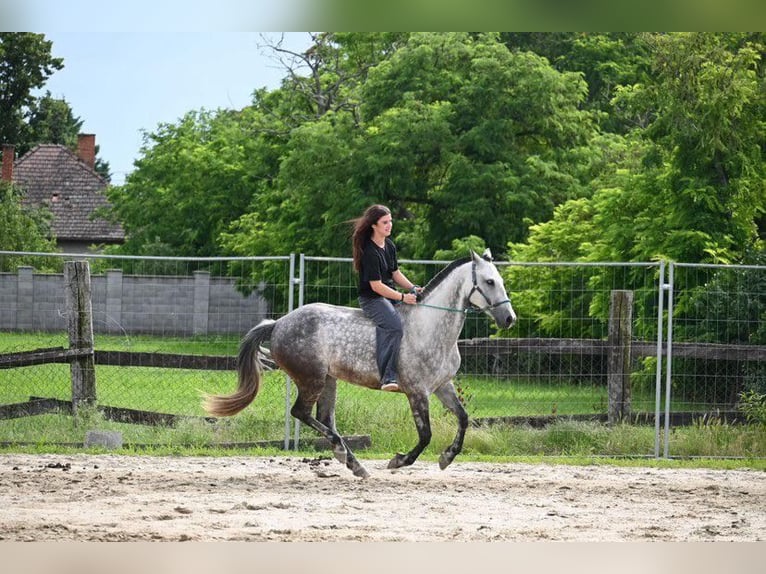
753,405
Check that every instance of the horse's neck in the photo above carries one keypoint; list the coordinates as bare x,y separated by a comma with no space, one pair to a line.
444,305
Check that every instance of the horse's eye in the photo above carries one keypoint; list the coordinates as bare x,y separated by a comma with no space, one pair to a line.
490,282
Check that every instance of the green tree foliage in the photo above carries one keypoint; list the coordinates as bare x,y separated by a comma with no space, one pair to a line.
605,60
26,120
689,187
481,137
687,182
194,177
51,121
455,133
21,229
26,63
555,146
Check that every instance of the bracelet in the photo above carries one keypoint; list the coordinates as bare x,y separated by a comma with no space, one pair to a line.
402,296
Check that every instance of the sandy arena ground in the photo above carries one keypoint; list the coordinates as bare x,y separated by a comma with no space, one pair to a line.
136,498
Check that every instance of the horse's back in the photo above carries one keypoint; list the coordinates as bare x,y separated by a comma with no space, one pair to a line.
324,337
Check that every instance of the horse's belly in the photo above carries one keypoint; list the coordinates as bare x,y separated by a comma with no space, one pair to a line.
434,368
355,363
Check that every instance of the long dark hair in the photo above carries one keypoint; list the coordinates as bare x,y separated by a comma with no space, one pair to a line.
363,231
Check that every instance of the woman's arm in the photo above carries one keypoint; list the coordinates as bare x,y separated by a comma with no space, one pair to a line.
385,291
403,282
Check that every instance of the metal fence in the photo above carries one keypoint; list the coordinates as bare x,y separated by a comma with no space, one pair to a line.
168,328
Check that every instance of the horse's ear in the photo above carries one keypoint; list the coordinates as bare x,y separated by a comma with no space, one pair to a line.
487,255
474,256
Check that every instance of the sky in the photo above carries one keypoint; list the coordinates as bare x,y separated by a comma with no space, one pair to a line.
122,84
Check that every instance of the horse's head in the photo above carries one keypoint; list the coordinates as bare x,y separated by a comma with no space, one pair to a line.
488,292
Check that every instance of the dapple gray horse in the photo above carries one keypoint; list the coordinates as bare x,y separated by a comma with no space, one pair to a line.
318,343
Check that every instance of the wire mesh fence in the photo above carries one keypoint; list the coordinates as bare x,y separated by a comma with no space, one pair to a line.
167,329
716,356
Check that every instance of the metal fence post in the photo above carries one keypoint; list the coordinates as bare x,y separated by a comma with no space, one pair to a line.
658,375
669,359
301,288
288,382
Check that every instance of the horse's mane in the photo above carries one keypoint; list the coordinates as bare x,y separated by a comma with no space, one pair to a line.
443,274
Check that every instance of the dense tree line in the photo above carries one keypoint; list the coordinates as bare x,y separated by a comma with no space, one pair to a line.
548,146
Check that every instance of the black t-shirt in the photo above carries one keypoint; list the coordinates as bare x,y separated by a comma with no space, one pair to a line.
378,264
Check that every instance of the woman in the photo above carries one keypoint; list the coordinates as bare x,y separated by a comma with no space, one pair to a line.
375,261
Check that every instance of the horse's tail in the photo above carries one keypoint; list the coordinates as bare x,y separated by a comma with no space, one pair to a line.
249,370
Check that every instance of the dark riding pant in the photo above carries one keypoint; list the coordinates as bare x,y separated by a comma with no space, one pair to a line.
388,334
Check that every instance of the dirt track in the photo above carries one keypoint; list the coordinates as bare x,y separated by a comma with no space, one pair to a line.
132,498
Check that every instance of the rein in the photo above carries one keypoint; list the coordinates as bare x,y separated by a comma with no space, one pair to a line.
472,308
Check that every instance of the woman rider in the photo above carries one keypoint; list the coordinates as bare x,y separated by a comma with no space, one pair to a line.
375,261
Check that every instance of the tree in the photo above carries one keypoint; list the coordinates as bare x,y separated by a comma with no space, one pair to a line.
51,121
456,134
194,178
605,60
482,138
21,229
25,65
687,185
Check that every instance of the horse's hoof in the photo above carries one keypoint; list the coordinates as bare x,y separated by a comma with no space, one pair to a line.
361,472
445,461
398,461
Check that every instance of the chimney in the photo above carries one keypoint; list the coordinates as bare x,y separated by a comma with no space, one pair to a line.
86,149
9,154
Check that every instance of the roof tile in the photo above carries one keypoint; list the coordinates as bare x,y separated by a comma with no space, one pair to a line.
53,176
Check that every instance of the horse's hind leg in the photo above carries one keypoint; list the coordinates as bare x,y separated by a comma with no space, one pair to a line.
447,395
302,411
326,404
419,406
326,414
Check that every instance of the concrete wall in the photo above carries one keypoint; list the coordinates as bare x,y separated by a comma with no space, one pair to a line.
168,305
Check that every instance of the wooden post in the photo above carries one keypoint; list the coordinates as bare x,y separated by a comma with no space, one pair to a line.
80,321
618,358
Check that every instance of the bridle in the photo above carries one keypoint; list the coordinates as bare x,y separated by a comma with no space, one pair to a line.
470,307
477,289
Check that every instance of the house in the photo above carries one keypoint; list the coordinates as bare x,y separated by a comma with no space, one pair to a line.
53,176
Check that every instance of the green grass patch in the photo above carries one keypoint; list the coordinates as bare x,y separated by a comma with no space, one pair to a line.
385,417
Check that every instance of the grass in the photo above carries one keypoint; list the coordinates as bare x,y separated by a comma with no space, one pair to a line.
385,417
202,345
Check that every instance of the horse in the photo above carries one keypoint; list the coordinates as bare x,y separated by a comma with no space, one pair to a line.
317,344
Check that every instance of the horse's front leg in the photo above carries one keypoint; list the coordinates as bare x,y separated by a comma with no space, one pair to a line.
419,407
447,395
